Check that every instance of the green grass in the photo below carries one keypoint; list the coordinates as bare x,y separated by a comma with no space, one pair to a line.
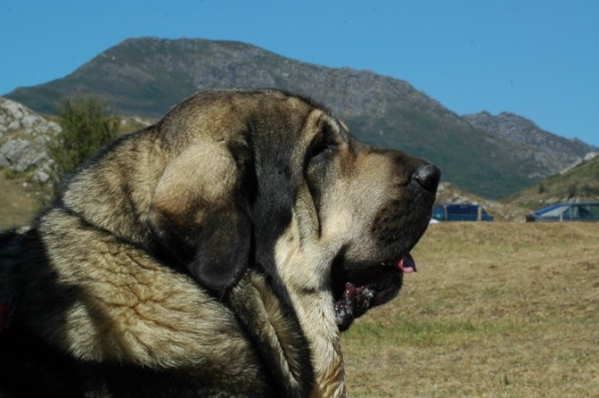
496,310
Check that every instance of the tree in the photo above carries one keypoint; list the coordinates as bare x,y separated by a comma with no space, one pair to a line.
572,191
87,125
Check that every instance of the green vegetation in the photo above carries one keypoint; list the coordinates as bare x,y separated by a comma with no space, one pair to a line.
87,125
11,174
467,157
581,183
496,310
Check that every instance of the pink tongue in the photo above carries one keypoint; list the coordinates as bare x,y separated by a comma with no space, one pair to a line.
406,264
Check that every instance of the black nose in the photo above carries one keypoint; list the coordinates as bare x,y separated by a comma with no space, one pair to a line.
428,177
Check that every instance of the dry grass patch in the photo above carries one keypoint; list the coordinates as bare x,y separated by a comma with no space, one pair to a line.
496,310
18,202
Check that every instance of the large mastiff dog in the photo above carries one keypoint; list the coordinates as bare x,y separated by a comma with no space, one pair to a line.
216,253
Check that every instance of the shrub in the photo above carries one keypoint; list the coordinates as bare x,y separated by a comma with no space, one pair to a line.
572,191
87,125
541,188
10,174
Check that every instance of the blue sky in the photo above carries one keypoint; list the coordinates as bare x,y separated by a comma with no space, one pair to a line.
538,59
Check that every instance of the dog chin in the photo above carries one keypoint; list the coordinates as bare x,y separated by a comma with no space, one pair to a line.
372,286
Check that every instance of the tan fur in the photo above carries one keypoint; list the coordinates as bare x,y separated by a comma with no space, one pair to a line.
252,293
123,250
302,263
128,309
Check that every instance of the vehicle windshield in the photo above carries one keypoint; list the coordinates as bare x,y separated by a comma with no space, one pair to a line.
462,209
552,211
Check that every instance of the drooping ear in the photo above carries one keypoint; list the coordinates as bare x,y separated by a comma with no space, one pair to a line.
200,214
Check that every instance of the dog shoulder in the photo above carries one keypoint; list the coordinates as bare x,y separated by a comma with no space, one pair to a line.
85,292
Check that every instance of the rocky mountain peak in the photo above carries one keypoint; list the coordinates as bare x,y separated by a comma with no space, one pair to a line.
556,153
520,130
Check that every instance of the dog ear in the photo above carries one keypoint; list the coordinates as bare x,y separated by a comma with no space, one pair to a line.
200,213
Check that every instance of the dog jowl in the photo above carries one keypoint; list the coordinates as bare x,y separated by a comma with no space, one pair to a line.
219,251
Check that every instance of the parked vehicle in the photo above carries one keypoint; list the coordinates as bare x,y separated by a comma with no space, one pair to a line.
460,212
571,211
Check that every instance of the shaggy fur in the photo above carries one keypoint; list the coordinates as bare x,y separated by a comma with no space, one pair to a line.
216,253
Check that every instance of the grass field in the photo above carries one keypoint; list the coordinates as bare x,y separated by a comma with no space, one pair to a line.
18,203
496,310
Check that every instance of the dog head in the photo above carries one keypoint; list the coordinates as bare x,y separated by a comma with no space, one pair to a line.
270,180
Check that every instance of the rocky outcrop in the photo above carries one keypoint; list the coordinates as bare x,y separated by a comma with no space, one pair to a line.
589,156
23,138
553,152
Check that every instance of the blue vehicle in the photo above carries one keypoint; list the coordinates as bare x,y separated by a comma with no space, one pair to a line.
460,212
572,211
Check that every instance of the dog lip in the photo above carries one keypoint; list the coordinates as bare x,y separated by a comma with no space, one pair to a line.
371,288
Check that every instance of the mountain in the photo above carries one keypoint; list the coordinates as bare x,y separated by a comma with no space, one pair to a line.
550,149
146,76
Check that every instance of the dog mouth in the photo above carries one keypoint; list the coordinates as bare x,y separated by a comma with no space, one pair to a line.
370,287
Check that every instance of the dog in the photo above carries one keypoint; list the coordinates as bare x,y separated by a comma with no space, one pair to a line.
218,253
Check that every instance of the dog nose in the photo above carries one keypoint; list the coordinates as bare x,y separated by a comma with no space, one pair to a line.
428,177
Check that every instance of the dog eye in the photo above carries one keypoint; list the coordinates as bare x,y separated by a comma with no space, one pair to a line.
322,149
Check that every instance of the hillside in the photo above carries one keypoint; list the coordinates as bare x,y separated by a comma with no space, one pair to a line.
145,77
580,183
552,150
25,184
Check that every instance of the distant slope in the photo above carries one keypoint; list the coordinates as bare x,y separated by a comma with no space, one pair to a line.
552,150
145,77
577,184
